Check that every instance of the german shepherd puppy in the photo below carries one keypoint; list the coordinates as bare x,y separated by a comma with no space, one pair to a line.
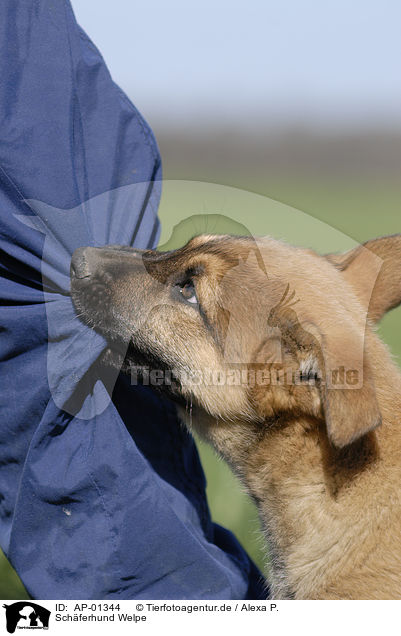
275,348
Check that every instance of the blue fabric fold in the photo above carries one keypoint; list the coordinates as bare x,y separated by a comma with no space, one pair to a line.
100,496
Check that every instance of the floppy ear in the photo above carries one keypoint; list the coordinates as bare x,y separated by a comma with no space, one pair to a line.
334,345
374,271
346,386
350,412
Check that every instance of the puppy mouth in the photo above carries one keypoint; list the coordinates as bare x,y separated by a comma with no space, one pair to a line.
126,351
149,370
128,355
145,369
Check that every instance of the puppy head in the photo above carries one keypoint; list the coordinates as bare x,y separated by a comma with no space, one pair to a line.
243,329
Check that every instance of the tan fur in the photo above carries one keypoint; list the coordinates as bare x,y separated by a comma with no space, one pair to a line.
320,457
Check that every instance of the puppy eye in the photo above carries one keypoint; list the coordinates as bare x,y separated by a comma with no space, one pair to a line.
188,292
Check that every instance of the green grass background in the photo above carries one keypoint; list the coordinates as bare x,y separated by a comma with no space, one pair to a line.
334,215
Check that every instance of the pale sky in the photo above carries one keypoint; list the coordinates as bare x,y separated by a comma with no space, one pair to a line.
314,62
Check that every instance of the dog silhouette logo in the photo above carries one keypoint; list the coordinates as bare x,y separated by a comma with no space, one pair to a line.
26,615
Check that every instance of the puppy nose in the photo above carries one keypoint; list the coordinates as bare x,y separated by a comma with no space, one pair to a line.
83,262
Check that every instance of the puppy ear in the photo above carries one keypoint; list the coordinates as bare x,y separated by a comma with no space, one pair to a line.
335,347
374,271
347,388
350,412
